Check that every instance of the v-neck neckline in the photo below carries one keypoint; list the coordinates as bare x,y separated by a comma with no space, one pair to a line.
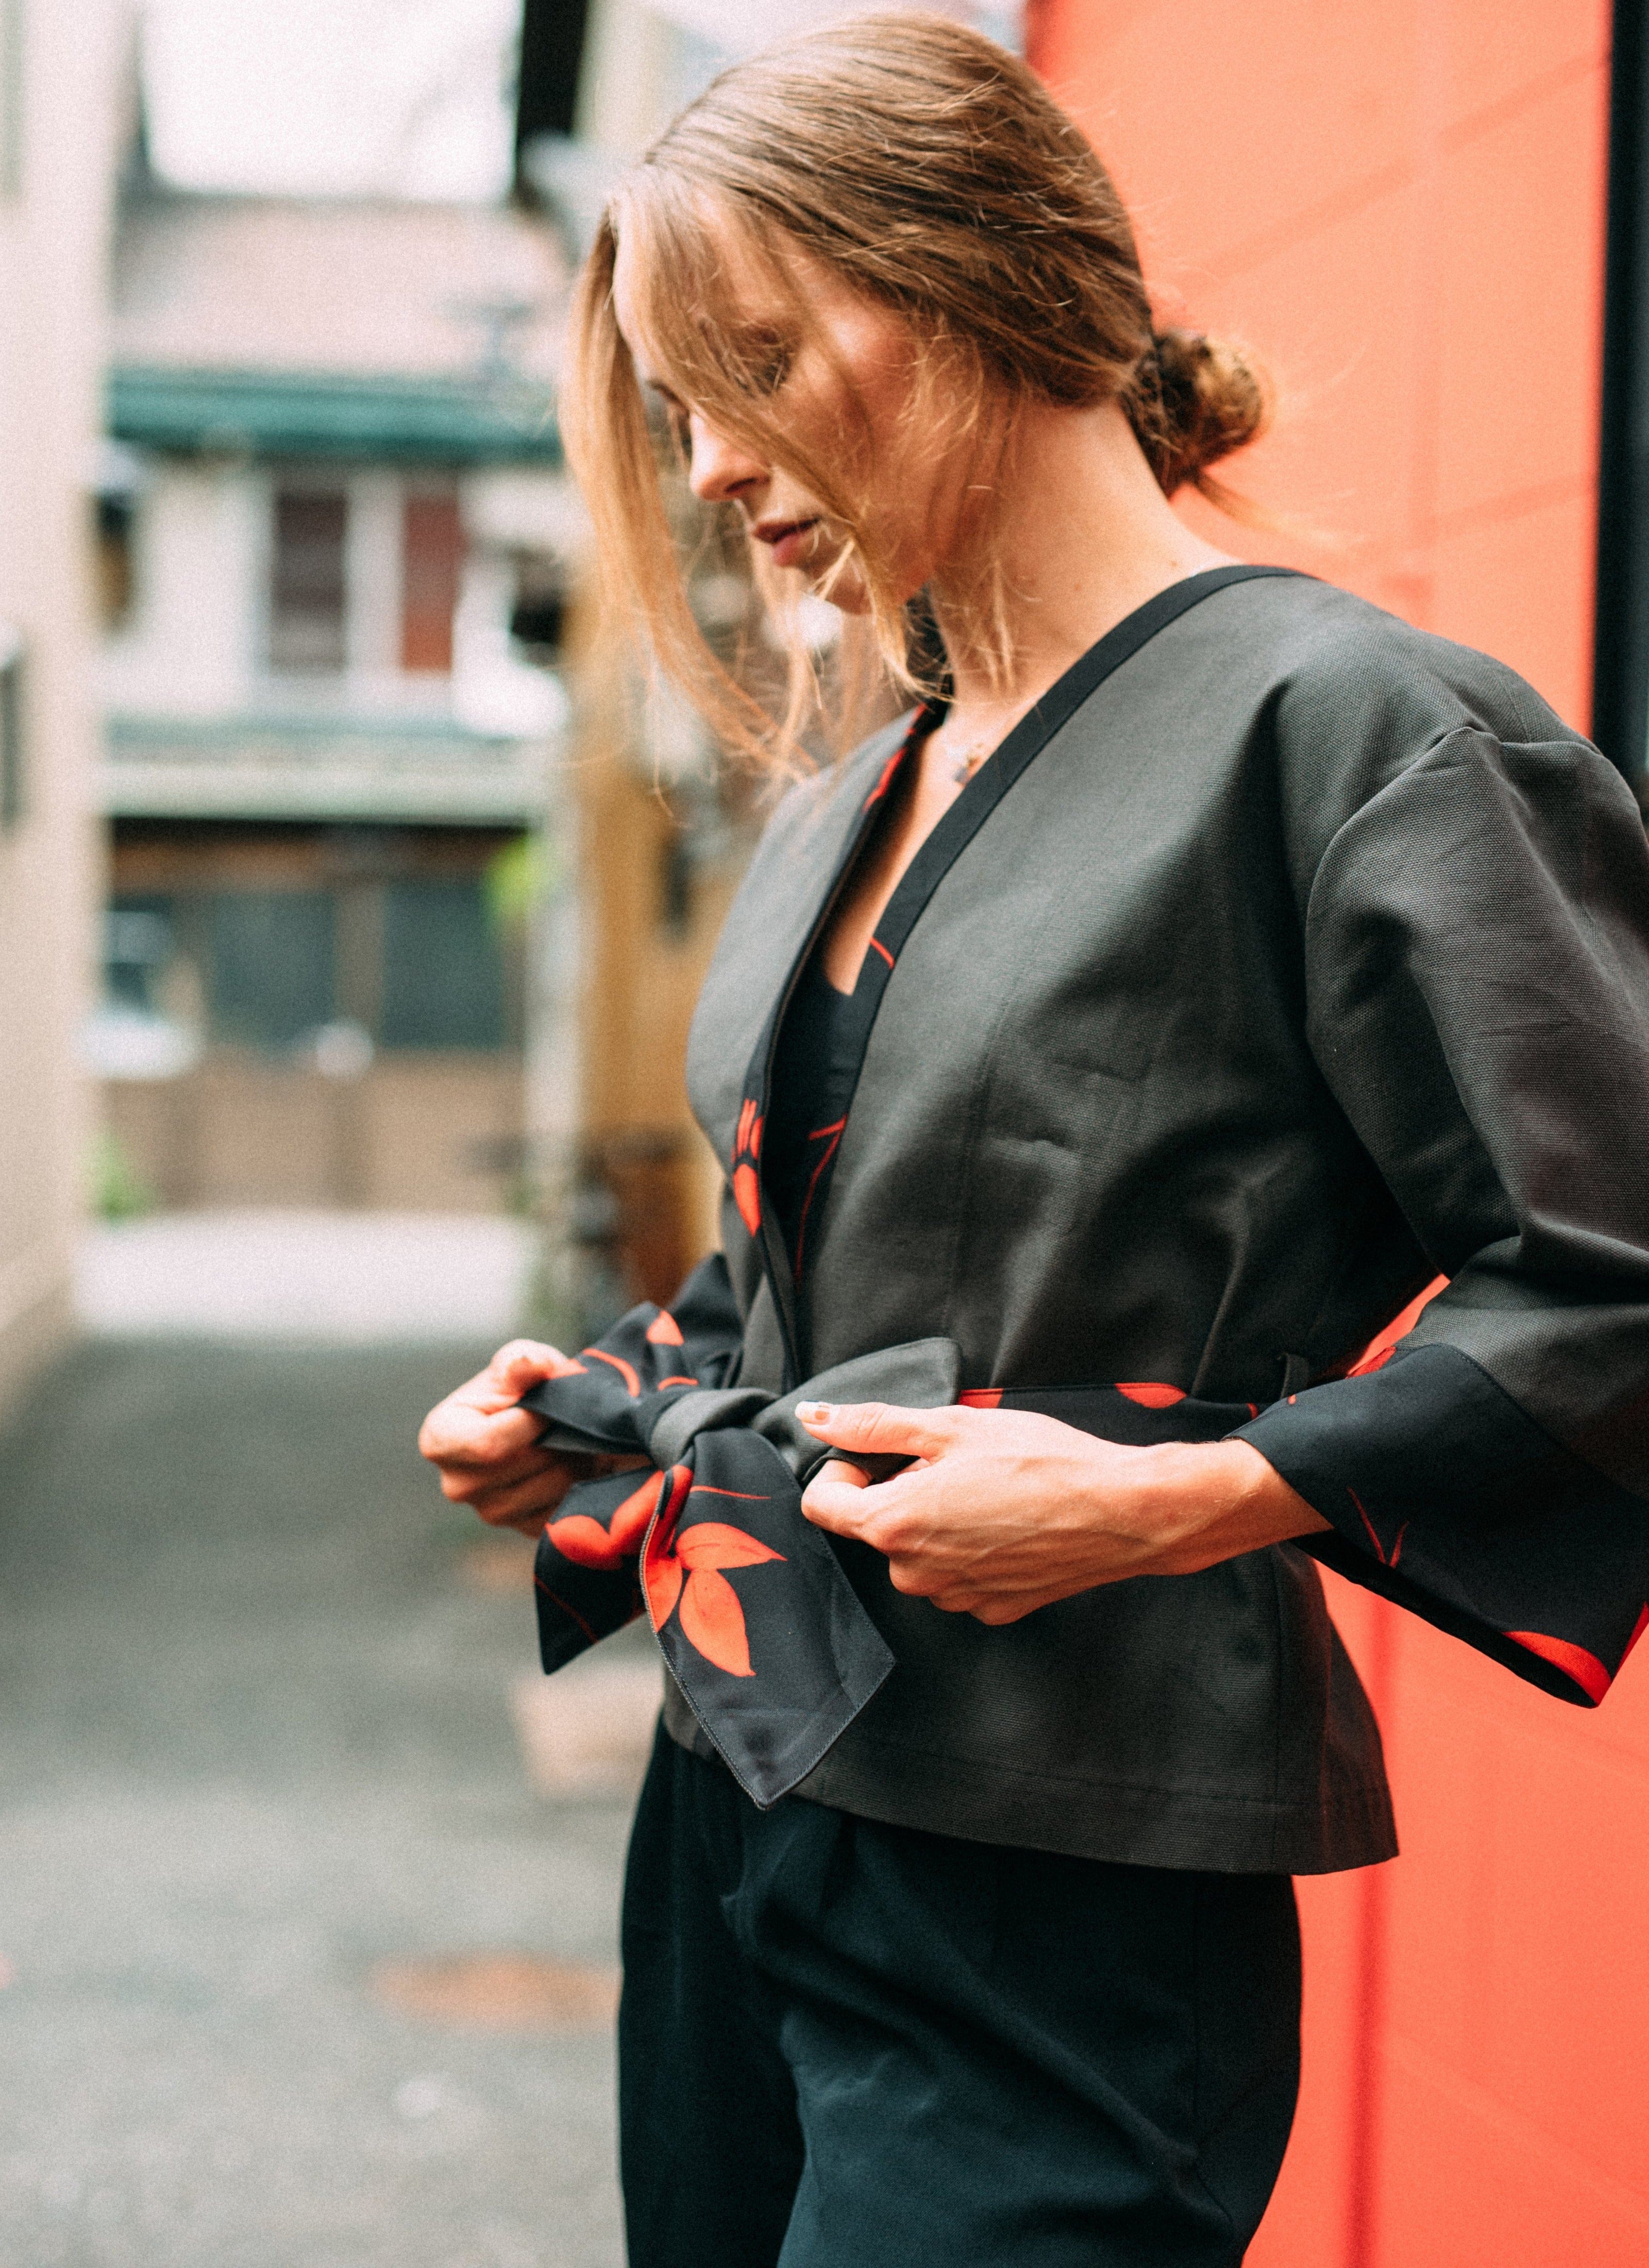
940,848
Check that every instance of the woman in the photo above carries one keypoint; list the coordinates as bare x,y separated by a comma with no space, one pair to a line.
1217,986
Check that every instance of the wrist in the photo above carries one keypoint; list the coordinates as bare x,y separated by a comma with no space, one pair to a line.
1214,1500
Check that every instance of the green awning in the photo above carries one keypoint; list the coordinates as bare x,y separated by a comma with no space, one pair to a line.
490,420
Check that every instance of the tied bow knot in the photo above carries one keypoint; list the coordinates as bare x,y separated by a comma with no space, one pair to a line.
756,1621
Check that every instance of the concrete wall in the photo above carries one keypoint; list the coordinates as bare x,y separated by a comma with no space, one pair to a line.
1401,204
53,233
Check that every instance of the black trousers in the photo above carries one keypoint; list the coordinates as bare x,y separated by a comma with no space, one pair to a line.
849,2045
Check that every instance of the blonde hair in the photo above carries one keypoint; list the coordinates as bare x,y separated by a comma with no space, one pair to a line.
931,173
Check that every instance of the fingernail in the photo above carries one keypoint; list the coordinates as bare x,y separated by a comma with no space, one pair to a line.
813,1413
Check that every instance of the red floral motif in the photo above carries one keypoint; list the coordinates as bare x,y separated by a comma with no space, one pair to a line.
1381,1348
1150,1395
684,1568
626,1370
664,1330
887,771
588,1544
746,1175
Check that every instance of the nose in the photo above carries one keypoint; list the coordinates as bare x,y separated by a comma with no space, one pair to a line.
720,471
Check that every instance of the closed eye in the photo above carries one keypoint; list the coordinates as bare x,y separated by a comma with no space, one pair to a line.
761,359
665,410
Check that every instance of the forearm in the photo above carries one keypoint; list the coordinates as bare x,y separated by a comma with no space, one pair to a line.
1206,1502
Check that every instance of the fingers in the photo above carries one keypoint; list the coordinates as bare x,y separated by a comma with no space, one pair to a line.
847,1505
991,1607
456,1435
525,1503
837,1470
883,1427
522,1363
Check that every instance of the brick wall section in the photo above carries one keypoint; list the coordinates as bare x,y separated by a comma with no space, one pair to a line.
1401,205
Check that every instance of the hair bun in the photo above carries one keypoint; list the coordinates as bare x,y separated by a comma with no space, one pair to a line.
1195,400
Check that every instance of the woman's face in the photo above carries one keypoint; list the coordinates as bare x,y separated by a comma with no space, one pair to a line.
840,394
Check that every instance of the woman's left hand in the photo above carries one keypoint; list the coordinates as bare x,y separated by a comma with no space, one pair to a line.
1006,1512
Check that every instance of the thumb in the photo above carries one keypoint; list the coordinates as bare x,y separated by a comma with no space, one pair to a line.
881,1427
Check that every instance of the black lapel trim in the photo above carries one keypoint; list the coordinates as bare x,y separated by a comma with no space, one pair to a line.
922,878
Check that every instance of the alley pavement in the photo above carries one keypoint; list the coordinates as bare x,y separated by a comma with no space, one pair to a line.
258,1768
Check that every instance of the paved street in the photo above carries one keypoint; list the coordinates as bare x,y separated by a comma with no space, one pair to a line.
256,1744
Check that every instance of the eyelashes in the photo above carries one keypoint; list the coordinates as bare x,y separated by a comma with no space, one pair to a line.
760,361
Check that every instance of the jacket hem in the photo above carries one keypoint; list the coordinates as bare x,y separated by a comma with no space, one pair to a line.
1079,1817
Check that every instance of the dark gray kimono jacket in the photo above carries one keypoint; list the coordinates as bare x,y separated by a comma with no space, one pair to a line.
1284,959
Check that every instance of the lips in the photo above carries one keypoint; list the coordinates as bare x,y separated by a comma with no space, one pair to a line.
788,540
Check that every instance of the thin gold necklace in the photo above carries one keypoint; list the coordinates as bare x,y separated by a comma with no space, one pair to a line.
963,766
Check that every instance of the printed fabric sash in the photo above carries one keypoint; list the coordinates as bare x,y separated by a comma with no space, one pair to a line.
756,1621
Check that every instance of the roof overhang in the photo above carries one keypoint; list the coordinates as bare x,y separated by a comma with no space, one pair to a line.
490,419
329,768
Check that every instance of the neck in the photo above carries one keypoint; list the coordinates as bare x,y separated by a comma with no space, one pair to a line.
1081,536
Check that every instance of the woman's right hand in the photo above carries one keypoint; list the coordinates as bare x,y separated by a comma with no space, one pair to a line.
485,1449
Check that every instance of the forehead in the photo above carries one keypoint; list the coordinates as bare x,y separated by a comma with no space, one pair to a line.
695,305
730,284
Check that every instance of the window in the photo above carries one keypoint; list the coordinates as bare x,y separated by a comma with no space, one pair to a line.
537,618
11,728
431,553
11,97
443,982
271,966
308,598
139,946
115,559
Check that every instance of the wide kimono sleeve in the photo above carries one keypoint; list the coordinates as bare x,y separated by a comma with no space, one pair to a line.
1476,963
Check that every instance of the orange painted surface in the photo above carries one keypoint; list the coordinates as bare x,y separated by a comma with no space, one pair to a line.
1400,205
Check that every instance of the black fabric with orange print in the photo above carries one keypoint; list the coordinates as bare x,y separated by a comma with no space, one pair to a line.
947,841
759,1628
820,1045
1285,961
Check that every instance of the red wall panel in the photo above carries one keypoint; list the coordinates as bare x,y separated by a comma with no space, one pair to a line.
1400,205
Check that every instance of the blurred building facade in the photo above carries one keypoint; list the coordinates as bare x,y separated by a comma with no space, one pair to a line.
663,829
332,532
59,71
1404,210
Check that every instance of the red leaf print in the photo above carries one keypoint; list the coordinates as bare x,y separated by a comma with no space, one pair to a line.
663,1578
661,1572
588,1544
628,1523
1152,1397
626,1370
664,1330
747,1195
709,1544
1381,1348
684,1566
712,1620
